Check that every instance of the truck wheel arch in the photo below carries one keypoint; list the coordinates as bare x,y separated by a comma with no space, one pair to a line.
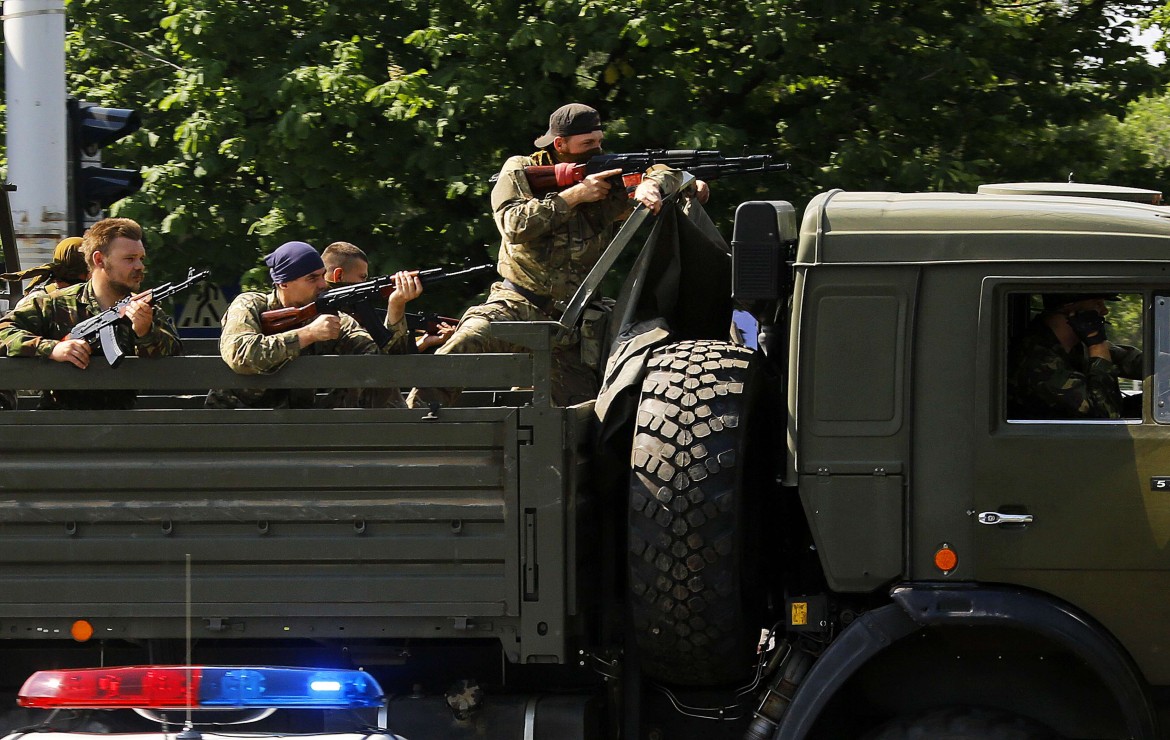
918,607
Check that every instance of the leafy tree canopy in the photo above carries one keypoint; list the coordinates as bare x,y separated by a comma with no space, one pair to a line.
380,121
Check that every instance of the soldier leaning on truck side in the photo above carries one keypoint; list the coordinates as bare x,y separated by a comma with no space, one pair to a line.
114,254
347,264
1064,365
548,246
66,268
298,277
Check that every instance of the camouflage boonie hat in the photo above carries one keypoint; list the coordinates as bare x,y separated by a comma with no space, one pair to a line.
68,265
69,261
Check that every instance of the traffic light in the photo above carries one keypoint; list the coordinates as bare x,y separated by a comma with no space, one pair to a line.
93,188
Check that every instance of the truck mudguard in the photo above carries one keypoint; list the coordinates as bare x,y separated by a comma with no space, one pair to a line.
917,607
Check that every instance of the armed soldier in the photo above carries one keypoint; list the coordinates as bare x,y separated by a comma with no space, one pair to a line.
1064,366
298,277
549,244
347,264
115,256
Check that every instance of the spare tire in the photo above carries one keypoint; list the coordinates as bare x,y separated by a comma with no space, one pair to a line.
690,598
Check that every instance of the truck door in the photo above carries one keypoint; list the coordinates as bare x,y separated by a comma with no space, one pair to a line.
1073,505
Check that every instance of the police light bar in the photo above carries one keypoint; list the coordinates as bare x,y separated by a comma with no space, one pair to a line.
200,687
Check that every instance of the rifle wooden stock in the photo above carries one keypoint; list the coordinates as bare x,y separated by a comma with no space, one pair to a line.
554,176
283,319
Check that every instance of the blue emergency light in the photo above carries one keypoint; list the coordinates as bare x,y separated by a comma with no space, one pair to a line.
200,687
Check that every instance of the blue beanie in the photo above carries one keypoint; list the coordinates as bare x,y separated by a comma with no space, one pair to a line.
292,260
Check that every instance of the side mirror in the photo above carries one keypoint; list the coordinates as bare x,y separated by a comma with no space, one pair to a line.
761,243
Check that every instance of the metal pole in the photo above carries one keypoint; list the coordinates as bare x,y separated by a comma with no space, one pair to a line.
34,78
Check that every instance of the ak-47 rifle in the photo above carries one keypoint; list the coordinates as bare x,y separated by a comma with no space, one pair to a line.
428,324
428,321
348,296
99,330
703,164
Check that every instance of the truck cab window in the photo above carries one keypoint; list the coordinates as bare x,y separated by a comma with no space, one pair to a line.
1074,356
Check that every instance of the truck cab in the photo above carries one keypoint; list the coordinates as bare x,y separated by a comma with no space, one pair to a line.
1027,554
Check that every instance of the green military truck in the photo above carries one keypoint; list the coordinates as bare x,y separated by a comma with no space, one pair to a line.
845,532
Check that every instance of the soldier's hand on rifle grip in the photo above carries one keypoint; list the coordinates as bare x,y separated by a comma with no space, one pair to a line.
320,329
593,188
429,341
141,315
76,351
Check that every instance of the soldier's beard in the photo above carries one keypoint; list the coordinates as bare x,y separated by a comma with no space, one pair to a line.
124,289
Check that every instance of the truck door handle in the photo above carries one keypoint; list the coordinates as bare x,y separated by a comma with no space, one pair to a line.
994,517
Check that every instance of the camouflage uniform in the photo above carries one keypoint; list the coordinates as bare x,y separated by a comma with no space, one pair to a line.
247,351
66,268
34,327
546,251
33,292
1049,383
7,397
366,314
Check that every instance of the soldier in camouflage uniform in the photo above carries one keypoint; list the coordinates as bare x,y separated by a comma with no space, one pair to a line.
37,328
1064,365
67,268
346,264
550,241
298,277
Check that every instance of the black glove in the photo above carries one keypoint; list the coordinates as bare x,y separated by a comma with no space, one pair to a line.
1089,327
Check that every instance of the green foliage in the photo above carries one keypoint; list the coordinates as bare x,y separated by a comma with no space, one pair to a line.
380,121
1125,320
1146,129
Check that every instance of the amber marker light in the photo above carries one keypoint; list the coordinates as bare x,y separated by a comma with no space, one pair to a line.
945,559
81,630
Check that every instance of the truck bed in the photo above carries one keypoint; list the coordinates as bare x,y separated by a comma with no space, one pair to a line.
297,523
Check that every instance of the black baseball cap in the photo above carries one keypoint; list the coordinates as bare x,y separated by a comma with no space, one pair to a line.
570,120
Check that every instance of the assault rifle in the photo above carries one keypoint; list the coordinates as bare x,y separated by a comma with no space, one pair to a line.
348,296
703,164
99,330
428,321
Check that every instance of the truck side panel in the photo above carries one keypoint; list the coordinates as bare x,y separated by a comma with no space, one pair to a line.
316,524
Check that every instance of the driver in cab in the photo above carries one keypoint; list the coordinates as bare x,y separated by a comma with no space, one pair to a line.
1065,367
